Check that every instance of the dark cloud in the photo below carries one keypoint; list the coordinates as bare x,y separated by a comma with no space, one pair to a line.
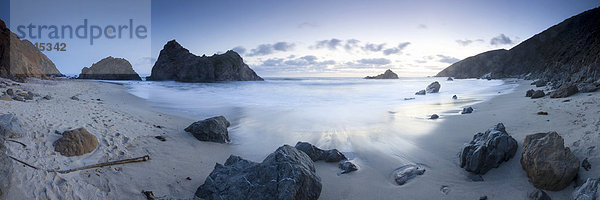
501,40
240,50
374,61
283,46
332,44
397,49
266,49
447,59
373,47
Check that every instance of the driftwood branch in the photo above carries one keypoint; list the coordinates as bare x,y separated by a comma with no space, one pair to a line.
118,162
24,146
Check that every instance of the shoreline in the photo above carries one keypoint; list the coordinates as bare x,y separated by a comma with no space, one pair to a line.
182,156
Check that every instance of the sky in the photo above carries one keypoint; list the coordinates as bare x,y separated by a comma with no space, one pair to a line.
292,38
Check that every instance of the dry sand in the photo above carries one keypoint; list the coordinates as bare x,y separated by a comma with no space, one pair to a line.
125,126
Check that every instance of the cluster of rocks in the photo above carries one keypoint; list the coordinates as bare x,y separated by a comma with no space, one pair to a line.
388,74
431,88
17,95
535,94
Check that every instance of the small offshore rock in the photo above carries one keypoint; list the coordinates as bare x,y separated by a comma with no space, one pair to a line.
316,154
210,130
434,116
75,143
433,87
407,172
347,167
449,79
411,98
388,74
538,195
467,110
455,97
421,92
585,164
590,190
488,150
548,163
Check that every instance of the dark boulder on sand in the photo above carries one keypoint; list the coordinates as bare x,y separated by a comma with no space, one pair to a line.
10,127
434,116
178,64
467,110
420,92
564,91
590,190
388,74
488,150
110,69
540,83
75,143
529,93
347,167
210,130
286,173
433,87
548,164
407,172
538,94
316,154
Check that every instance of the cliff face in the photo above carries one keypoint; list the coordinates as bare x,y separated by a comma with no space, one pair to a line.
177,63
20,59
110,69
566,52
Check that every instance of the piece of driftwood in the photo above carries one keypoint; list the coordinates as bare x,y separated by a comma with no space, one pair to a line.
18,143
118,162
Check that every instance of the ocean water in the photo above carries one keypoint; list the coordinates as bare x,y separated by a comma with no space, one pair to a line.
354,115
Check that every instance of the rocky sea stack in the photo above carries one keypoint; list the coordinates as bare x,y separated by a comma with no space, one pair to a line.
388,74
20,59
110,69
178,64
566,52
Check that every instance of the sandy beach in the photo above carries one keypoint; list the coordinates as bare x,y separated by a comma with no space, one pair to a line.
126,127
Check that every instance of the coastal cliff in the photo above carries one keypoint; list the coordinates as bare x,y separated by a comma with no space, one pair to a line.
177,63
20,59
568,52
110,69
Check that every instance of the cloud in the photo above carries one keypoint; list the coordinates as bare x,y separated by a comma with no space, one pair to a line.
447,59
374,61
396,50
240,50
273,62
464,42
332,44
422,26
283,46
351,44
266,49
501,40
373,47
307,25
308,60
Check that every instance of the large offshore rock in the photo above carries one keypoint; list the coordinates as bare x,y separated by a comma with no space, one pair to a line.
316,154
178,64
433,87
75,143
211,130
488,150
590,190
286,173
10,126
388,74
548,164
110,69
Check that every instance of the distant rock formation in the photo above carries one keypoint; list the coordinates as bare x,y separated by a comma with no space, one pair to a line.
110,69
548,163
388,74
566,52
178,64
20,59
286,173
